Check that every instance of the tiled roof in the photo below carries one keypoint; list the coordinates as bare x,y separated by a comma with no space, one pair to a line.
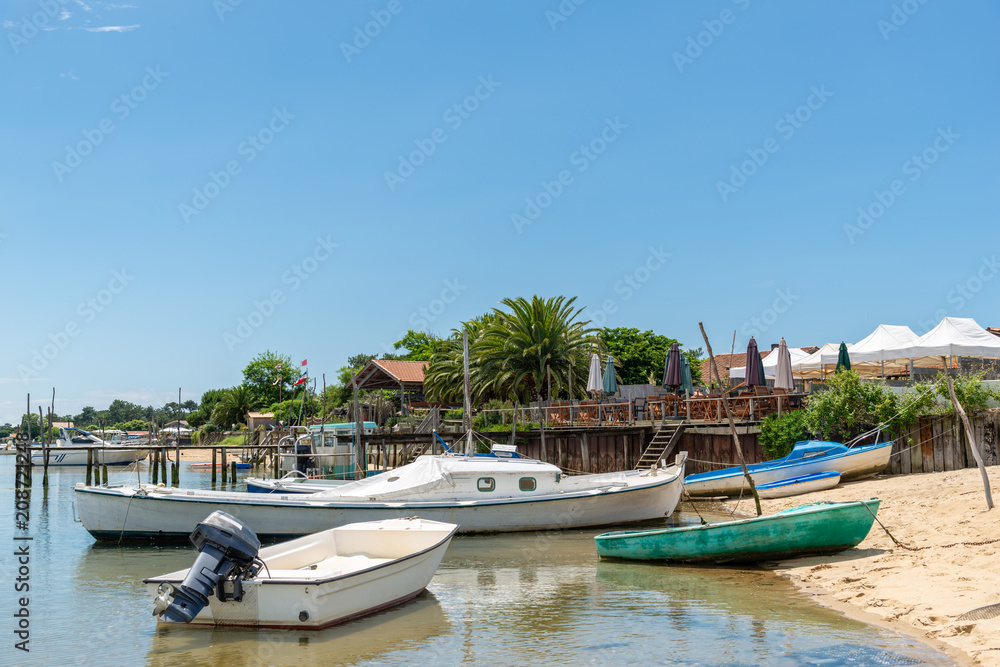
404,371
260,415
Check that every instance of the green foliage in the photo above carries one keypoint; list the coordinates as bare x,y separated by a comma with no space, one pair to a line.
233,407
779,434
419,346
6,430
639,352
266,383
358,361
132,425
851,407
970,391
695,357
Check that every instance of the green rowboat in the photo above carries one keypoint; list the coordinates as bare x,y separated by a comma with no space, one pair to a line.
816,528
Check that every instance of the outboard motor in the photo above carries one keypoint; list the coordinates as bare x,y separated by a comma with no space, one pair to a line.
228,553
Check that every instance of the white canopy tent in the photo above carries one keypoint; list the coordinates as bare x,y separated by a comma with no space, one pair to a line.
770,363
880,345
954,336
813,365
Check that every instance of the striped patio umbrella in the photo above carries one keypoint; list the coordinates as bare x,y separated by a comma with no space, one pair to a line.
610,384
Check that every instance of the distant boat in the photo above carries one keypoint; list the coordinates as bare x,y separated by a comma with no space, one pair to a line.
807,457
491,493
112,451
817,528
312,582
796,486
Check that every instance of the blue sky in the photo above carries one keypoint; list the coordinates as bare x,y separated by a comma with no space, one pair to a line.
187,184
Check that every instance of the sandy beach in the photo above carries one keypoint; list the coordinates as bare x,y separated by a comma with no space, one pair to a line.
951,568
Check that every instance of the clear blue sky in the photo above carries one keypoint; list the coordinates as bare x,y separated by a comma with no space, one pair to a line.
171,168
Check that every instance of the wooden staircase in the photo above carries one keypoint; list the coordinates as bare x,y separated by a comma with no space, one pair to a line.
662,445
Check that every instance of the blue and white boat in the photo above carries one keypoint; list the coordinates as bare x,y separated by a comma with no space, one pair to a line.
796,486
807,457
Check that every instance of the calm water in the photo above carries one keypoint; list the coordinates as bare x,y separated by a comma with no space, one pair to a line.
496,600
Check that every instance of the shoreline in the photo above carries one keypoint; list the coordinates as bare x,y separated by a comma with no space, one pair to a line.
954,569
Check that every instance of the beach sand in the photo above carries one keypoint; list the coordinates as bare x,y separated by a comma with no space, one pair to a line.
955,568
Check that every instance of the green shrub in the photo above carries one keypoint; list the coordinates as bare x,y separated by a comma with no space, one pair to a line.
779,434
970,391
850,407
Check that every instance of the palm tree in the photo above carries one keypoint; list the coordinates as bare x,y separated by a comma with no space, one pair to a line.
445,370
519,348
233,407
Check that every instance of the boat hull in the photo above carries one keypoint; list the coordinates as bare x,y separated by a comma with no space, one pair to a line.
797,486
856,463
294,485
160,513
112,456
302,599
810,529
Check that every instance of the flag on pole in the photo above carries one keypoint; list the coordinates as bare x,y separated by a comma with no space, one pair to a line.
277,365
302,379
304,362
276,381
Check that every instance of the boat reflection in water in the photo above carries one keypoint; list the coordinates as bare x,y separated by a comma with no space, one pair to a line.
411,626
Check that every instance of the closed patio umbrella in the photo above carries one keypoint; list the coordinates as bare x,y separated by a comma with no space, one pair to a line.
783,374
610,384
673,373
843,359
594,380
687,385
755,367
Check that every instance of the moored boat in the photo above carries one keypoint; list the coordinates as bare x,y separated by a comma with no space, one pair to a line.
796,486
312,582
114,450
480,493
807,457
293,482
816,528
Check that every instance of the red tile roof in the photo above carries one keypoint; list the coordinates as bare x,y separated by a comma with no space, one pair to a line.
404,371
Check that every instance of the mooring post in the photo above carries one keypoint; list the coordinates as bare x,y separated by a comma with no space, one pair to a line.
154,464
163,464
214,471
233,477
223,466
90,465
276,460
104,474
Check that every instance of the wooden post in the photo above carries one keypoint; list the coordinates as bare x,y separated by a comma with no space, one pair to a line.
729,417
177,453
163,464
224,471
972,444
233,476
104,474
90,465
214,471
275,461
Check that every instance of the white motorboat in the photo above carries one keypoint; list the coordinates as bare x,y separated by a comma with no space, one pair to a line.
114,450
312,582
482,493
807,457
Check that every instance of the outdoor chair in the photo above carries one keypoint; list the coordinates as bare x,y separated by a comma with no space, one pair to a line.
639,408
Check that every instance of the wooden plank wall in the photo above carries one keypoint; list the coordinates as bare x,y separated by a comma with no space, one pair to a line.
931,444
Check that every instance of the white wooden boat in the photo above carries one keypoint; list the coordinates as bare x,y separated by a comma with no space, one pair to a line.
480,493
796,486
315,581
112,451
807,457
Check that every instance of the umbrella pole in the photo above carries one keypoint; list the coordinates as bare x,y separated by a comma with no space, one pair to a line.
732,424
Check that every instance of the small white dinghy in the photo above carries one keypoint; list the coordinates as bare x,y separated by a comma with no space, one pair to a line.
795,486
307,583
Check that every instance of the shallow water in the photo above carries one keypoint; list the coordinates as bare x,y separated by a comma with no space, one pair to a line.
513,599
